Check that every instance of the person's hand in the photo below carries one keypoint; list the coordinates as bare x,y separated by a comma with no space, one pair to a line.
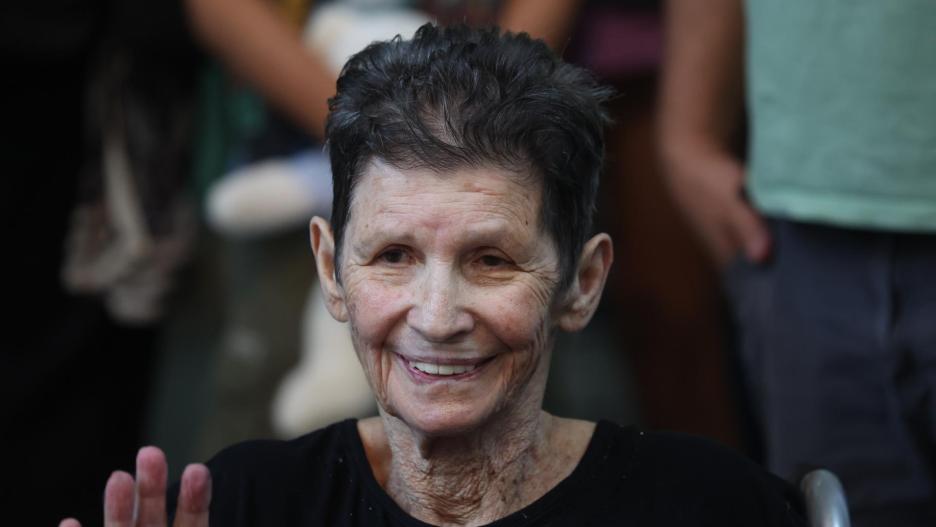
709,188
149,493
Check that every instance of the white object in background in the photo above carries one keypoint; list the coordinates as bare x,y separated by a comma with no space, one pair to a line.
328,384
271,195
337,30
281,193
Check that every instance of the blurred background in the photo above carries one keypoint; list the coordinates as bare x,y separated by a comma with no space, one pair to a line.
163,159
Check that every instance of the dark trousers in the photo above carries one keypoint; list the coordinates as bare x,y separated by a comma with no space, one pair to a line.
838,342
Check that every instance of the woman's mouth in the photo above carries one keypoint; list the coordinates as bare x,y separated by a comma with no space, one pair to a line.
425,370
440,369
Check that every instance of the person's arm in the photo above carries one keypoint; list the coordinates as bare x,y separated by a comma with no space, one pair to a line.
551,21
257,44
701,101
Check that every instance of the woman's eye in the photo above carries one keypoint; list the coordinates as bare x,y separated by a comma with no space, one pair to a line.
489,260
393,256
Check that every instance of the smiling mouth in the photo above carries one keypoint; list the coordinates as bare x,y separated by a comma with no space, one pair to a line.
432,370
440,369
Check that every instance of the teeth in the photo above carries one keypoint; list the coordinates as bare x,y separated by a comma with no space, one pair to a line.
439,369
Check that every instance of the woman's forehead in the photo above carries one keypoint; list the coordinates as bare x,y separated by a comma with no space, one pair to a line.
388,191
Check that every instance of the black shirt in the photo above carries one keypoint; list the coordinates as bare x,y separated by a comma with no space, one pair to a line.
626,477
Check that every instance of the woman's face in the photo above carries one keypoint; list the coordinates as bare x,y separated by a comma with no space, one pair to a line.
448,281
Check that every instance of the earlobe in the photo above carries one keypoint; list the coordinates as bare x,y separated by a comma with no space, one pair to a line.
590,276
323,246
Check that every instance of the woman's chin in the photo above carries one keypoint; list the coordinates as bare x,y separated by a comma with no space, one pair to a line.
443,418
441,406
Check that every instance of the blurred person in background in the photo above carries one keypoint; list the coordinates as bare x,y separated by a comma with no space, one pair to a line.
95,139
826,231
258,43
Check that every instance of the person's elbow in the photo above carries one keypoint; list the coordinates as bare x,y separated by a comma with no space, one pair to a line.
206,18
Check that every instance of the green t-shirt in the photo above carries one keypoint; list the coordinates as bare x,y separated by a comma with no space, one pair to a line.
842,99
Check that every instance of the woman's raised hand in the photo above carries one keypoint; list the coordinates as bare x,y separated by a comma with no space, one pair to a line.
149,493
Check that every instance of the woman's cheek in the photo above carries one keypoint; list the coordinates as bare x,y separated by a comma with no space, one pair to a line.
375,308
374,311
520,317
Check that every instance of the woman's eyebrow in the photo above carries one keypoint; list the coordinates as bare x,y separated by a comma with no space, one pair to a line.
480,234
487,237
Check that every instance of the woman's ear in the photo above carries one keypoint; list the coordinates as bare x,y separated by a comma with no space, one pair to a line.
323,246
582,297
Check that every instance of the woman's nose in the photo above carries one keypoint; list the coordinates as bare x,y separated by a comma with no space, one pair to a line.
438,312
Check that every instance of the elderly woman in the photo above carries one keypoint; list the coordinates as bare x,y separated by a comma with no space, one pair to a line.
465,167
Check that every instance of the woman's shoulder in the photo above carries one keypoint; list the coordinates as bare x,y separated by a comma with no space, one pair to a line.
679,455
679,476
274,458
696,460
279,482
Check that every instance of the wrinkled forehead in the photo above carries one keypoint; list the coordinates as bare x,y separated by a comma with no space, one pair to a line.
382,186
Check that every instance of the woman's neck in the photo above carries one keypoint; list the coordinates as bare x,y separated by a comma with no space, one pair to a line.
477,478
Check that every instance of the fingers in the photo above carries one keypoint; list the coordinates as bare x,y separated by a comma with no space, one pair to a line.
737,225
148,495
118,500
707,186
69,522
151,487
194,497
751,232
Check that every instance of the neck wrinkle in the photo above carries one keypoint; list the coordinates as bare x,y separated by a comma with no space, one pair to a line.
468,480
